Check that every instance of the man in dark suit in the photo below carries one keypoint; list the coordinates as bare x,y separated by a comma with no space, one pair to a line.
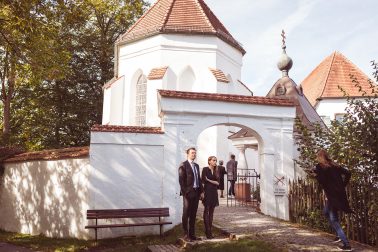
232,174
191,191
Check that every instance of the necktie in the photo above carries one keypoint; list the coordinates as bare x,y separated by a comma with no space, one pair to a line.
195,175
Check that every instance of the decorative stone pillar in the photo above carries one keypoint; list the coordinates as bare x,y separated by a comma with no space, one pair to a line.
242,186
242,161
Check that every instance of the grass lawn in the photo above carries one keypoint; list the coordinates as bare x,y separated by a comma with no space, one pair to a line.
134,244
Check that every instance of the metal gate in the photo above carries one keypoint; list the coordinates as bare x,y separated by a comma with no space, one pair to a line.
246,189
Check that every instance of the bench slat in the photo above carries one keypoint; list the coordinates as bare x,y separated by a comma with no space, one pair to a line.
123,216
127,213
128,210
127,225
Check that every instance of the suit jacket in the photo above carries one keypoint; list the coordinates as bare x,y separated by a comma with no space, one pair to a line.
186,178
232,170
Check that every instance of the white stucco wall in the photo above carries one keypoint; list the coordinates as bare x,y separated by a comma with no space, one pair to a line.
179,53
113,99
129,171
330,107
48,197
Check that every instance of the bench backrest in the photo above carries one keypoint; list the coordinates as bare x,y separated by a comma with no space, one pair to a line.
127,213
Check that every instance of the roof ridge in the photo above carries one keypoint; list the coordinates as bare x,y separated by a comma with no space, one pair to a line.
166,17
329,71
205,15
212,13
354,65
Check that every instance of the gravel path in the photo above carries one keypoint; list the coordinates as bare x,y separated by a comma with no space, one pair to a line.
243,221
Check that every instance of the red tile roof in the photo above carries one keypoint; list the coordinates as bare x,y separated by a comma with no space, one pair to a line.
179,16
66,153
334,71
157,73
126,129
219,75
226,98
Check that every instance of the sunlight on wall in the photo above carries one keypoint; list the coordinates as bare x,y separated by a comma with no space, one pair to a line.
48,197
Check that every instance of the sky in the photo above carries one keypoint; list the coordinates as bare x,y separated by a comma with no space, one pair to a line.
314,30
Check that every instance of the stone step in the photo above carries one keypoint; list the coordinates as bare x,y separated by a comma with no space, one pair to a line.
163,248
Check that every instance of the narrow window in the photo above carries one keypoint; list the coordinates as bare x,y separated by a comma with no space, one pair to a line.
140,99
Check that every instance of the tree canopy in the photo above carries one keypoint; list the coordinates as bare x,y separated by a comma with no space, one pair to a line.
55,56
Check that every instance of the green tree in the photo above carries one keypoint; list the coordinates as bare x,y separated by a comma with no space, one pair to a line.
58,112
29,51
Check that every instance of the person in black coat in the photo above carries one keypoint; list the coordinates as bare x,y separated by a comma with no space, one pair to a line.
221,170
333,179
210,180
191,190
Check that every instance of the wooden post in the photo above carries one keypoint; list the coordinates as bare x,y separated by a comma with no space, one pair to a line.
96,232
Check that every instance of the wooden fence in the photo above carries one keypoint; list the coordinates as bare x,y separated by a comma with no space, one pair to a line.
306,202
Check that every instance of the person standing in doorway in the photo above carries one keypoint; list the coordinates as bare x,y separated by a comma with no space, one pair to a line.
221,170
191,191
231,174
210,180
333,179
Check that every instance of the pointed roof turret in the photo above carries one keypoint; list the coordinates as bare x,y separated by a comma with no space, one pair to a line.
334,71
286,88
179,16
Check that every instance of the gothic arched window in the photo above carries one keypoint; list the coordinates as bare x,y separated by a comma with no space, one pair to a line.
186,80
140,100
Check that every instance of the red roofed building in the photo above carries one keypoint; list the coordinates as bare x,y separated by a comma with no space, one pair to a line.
321,86
176,45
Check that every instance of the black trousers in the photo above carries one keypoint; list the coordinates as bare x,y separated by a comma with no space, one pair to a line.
208,215
190,206
231,191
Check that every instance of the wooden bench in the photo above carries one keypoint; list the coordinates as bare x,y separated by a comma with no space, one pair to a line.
128,213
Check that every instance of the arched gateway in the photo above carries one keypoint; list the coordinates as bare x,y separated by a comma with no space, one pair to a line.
138,166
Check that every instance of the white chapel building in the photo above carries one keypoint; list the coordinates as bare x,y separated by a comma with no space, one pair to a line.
175,45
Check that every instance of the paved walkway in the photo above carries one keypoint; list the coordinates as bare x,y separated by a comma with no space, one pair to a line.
243,221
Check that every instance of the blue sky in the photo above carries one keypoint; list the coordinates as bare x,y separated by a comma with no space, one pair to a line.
314,30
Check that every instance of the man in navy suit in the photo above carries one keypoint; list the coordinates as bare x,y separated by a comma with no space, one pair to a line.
191,191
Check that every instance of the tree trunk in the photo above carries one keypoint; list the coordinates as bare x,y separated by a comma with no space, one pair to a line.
7,97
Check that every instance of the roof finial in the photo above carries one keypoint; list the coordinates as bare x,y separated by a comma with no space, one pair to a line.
283,39
285,63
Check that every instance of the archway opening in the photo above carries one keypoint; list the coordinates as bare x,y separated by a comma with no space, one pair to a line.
224,140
